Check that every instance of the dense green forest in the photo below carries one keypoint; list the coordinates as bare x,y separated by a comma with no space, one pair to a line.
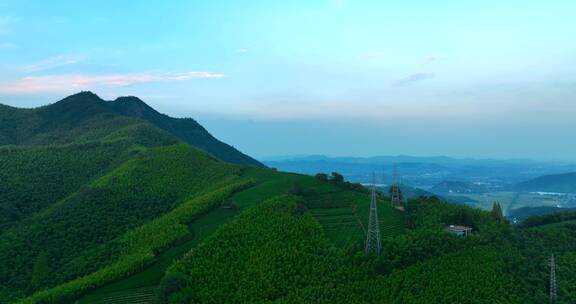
109,202
498,264
73,232
86,117
34,177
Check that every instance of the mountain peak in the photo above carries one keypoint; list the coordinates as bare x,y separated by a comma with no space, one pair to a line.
132,106
82,96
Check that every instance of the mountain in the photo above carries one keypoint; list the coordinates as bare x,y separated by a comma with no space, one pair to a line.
101,202
449,187
424,172
559,183
85,116
185,129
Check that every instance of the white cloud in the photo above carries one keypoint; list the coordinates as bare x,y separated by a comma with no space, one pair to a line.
62,83
242,50
414,78
52,62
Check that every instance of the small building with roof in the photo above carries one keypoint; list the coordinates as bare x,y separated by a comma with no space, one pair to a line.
457,230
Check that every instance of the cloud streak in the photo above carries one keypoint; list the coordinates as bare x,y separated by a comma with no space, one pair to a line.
52,62
61,83
414,78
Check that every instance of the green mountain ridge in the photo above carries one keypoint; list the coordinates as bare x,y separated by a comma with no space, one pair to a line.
85,116
106,202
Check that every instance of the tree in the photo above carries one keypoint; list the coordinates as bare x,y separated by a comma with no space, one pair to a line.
296,190
40,271
170,284
497,211
337,177
322,176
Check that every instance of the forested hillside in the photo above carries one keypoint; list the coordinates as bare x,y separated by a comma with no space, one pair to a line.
113,206
187,129
33,177
86,117
82,191
241,262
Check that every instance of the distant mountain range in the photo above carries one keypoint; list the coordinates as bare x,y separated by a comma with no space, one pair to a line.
559,183
425,171
85,116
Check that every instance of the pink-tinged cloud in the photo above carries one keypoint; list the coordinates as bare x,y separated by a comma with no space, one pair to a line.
59,83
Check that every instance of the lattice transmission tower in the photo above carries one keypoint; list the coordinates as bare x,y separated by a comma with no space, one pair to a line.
395,194
553,295
373,240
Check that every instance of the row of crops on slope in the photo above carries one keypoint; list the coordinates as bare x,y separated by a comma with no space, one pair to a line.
278,251
140,245
262,255
75,235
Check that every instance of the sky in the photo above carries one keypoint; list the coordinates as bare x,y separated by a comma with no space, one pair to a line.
482,79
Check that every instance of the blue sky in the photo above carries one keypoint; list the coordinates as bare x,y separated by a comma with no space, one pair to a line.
337,77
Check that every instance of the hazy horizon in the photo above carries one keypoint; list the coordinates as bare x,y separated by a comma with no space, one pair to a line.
333,77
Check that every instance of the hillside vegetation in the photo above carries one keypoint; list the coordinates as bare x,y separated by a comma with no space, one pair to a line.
86,117
33,177
108,202
241,262
86,193
76,234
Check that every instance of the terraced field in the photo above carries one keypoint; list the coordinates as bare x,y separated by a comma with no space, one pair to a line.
344,216
144,295
341,212
132,287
